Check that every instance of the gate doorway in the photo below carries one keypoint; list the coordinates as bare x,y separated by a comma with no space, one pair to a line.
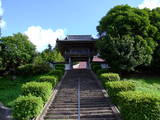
75,48
80,65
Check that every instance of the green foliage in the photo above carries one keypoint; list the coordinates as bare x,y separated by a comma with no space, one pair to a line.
16,50
11,89
38,89
106,77
148,84
101,71
126,38
27,107
117,86
41,68
57,73
33,69
155,21
25,69
60,67
96,67
53,80
52,55
137,105
38,60
57,56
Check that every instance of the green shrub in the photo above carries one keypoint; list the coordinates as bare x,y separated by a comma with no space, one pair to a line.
33,69
138,105
41,68
38,89
59,66
52,79
106,77
57,73
101,71
25,69
96,67
117,86
27,107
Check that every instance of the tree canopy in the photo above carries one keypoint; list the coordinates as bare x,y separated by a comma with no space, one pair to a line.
155,21
15,50
126,37
52,54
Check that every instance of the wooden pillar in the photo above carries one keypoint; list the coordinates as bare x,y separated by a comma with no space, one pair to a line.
89,63
70,64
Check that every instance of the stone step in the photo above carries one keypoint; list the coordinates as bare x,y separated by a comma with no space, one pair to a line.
74,116
61,117
64,107
108,116
93,104
76,111
81,103
82,109
97,118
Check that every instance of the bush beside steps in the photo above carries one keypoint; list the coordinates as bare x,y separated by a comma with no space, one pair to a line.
106,77
57,73
101,71
113,88
37,93
47,78
138,105
38,89
27,107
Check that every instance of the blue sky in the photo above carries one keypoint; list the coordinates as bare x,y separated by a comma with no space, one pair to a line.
45,20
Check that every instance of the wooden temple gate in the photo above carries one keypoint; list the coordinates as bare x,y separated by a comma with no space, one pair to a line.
77,48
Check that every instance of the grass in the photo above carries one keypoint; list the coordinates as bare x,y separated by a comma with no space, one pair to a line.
149,84
11,89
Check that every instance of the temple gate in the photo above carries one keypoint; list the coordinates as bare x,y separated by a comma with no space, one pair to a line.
75,48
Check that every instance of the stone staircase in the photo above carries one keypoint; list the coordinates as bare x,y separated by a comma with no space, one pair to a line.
93,104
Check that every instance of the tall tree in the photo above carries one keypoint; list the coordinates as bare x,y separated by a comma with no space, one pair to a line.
155,20
16,50
52,55
126,37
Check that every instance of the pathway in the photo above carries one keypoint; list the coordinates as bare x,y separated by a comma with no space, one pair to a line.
80,97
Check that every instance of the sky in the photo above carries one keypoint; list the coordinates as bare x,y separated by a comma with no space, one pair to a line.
43,21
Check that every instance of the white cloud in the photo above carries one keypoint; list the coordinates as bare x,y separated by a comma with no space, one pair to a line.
1,9
42,37
2,22
149,4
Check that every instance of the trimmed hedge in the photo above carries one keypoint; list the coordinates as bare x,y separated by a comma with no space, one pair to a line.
41,68
57,73
25,69
138,105
52,79
101,71
117,86
27,107
32,69
109,77
60,66
96,67
38,89
61,69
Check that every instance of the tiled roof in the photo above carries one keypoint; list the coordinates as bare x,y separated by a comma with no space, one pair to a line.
79,37
97,59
